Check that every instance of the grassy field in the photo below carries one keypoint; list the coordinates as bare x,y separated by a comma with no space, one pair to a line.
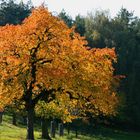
11,132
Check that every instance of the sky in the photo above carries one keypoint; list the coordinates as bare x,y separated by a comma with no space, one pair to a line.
82,7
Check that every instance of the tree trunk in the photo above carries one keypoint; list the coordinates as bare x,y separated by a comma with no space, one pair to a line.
14,122
30,123
1,113
53,127
68,128
45,133
76,133
61,129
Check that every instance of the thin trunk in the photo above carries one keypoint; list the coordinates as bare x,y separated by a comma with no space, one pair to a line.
1,113
68,128
14,121
45,133
76,133
53,128
30,123
61,129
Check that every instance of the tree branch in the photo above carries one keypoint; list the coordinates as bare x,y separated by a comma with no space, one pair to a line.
44,95
43,61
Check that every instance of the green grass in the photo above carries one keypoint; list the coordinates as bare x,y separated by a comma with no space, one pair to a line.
11,132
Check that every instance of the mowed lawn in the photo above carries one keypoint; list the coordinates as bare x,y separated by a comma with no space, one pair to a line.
11,132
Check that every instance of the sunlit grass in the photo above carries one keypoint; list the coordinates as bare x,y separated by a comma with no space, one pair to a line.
11,132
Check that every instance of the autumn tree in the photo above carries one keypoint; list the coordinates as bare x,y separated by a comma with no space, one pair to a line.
43,57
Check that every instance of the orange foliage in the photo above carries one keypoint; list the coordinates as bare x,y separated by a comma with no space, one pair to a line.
43,54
